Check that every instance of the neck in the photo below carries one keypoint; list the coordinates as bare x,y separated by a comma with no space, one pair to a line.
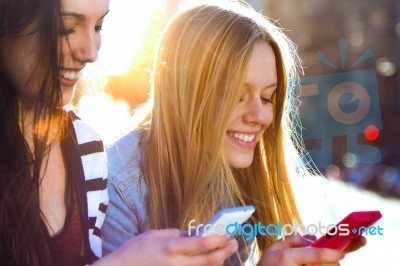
49,129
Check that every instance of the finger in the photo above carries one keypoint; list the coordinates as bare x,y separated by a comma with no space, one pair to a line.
214,257
357,244
290,242
166,233
323,264
196,245
315,255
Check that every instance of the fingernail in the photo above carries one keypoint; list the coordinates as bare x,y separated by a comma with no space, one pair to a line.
228,237
310,237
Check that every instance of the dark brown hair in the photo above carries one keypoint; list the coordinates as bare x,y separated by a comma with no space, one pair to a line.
23,234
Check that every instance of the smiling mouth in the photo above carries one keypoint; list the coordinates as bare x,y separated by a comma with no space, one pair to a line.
242,137
70,75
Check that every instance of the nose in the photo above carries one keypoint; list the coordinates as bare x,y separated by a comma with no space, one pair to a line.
258,113
87,48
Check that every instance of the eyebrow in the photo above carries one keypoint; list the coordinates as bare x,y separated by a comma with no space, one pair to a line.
273,85
78,16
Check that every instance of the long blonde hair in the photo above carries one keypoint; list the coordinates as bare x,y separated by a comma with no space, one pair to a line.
199,70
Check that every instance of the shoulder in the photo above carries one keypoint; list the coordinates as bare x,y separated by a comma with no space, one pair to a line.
89,147
124,157
84,132
125,152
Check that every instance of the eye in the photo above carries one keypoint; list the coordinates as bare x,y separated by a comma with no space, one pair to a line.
266,100
98,27
67,31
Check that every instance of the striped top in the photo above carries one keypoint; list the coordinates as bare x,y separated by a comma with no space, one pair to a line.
85,156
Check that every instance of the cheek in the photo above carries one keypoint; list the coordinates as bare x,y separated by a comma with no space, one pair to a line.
235,116
269,114
66,46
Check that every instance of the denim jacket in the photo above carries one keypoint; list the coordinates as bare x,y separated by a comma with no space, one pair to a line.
126,215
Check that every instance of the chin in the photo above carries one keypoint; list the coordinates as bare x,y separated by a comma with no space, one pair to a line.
67,96
240,161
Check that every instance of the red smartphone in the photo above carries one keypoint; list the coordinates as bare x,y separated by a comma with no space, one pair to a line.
349,229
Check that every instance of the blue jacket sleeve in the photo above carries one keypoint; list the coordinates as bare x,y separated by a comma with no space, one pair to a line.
125,217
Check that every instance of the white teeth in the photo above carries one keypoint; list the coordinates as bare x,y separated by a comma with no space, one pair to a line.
243,137
71,75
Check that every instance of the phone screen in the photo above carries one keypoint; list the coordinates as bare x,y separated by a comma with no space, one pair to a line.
225,217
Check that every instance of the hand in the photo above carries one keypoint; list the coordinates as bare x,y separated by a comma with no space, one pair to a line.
169,247
294,251
356,245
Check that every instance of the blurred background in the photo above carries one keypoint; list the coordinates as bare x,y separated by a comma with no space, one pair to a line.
349,109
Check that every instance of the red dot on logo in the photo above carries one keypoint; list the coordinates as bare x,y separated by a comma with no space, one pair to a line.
371,132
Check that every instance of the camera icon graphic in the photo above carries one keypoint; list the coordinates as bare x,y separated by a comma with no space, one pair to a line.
340,104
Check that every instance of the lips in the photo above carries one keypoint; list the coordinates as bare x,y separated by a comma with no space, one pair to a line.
243,140
69,78
70,75
242,137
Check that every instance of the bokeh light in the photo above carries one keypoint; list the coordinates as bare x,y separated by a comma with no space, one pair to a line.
371,132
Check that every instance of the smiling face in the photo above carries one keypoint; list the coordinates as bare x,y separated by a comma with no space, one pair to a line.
80,43
254,113
81,39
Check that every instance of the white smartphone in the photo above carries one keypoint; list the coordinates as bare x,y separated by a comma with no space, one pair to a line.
224,218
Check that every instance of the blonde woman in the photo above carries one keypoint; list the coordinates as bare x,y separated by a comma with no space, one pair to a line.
53,171
215,133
